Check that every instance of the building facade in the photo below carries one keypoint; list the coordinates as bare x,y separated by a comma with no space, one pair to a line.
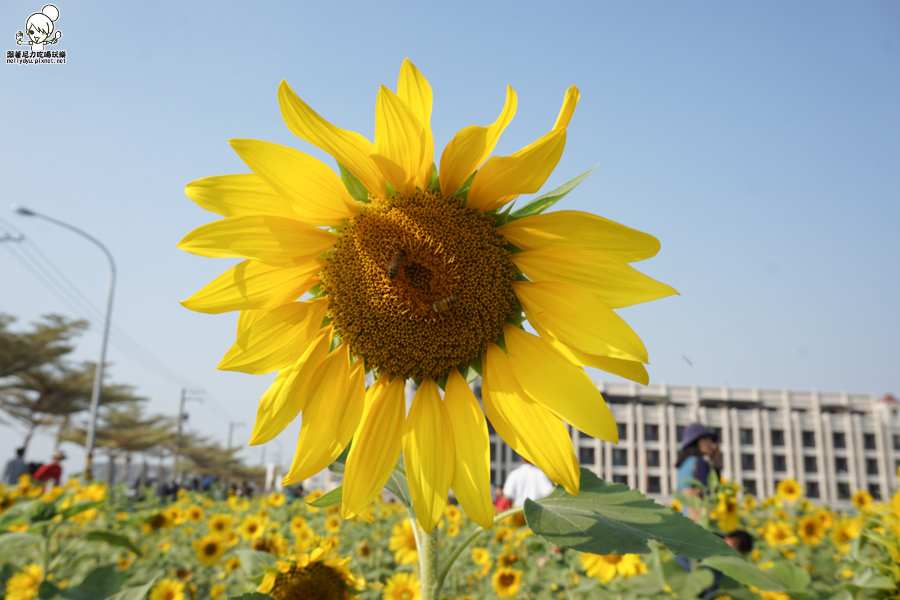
832,443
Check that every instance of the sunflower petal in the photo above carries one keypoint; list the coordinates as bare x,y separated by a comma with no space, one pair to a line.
415,91
347,147
333,408
252,284
287,396
472,470
314,191
428,454
579,319
376,445
568,107
576,230
238,195
558,385
276,339
529,428
273,240
471,146
629,369
400,138
502,178
612,280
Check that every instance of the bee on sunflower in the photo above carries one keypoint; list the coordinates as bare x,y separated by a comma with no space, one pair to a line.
409,271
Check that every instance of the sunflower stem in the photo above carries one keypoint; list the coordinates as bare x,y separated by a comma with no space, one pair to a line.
427,543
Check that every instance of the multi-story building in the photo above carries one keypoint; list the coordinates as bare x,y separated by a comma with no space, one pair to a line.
832,443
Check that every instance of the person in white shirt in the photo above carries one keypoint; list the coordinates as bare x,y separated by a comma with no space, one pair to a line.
526,481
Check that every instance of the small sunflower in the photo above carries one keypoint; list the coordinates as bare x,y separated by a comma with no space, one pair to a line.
25,584
403,543
604,567
220,523
209,549
312,575
168,589
252,527
789,490
779,533
862,500
506,582
401,586
811,530
726,513
414,272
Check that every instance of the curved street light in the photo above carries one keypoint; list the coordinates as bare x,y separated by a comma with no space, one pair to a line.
98,371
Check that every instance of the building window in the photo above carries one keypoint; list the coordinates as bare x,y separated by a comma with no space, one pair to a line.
653,486
746,437
778,437
620,479
869,441
651,433
718,432
494,477
840,440
843,490
748,462
875,490
810,465
779,463
623,431
897,443
809,439
840,464
871,466
679,433
812,489
652,458
494,451
750,486
587,455
620,457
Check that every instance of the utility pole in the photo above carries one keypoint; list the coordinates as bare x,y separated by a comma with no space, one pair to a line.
182,417
231,426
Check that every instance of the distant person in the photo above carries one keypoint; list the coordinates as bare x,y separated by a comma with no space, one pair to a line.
740,540
526,481
15,467
699,457
51,471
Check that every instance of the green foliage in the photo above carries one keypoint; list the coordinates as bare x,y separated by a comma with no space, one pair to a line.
354,186
545,201
609,518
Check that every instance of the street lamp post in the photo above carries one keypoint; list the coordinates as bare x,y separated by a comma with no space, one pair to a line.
98,371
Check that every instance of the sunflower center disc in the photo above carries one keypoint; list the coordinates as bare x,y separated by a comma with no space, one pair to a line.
317,581
419,284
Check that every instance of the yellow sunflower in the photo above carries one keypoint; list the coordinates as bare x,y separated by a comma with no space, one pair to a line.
209,549
220,523
168,589
312,575
811,530
401,586
862,500
726,513
506,582
779,533
25,584
604,567
789,490
411,272
403,543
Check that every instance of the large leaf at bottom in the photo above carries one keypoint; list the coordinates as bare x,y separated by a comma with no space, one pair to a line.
782,577
610,518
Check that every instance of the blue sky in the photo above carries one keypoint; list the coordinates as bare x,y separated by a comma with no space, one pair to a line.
758,141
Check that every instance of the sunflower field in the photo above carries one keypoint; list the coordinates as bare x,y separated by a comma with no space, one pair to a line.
89,541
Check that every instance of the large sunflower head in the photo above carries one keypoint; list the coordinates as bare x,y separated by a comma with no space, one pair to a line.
311,575
395,267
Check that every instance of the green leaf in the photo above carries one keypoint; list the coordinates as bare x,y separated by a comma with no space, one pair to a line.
397,485
330,499
80,507
18,513
341,461
783,577
254,561
545,201
113,539
18,541
135,593
612,519
251,596
102,582
354,186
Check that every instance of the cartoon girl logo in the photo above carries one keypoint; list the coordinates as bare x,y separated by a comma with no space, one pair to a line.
40,27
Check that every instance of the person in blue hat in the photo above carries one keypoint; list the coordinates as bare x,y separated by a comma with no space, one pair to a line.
699,457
